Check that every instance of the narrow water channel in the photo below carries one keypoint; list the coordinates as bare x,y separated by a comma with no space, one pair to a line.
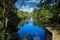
31,31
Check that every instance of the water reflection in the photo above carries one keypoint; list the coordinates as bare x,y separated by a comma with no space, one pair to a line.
31,31
30,21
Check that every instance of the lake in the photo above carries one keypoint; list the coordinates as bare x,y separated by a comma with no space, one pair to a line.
31,31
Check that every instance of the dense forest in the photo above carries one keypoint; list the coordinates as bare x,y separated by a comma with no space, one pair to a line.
10,17
47,15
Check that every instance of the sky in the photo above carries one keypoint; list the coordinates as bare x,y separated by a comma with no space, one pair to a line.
29,5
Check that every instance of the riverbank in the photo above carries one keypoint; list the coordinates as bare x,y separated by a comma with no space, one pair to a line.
55,34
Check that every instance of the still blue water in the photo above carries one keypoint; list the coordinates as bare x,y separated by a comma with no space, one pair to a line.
35,31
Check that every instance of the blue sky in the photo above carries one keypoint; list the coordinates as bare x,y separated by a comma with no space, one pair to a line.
29,5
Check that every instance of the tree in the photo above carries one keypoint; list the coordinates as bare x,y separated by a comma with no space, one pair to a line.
48,14
9,19
23,16
5,6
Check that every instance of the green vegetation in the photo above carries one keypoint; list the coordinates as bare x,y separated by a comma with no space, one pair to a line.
24,16
10,18
48,15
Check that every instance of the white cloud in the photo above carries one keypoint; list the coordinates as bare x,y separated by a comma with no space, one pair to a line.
43,1
26,8
36,1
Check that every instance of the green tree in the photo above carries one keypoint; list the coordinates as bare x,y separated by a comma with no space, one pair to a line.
48,15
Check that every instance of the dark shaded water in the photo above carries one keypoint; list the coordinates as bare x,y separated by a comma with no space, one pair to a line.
31,31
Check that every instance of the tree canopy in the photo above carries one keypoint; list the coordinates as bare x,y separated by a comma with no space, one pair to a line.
49,14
